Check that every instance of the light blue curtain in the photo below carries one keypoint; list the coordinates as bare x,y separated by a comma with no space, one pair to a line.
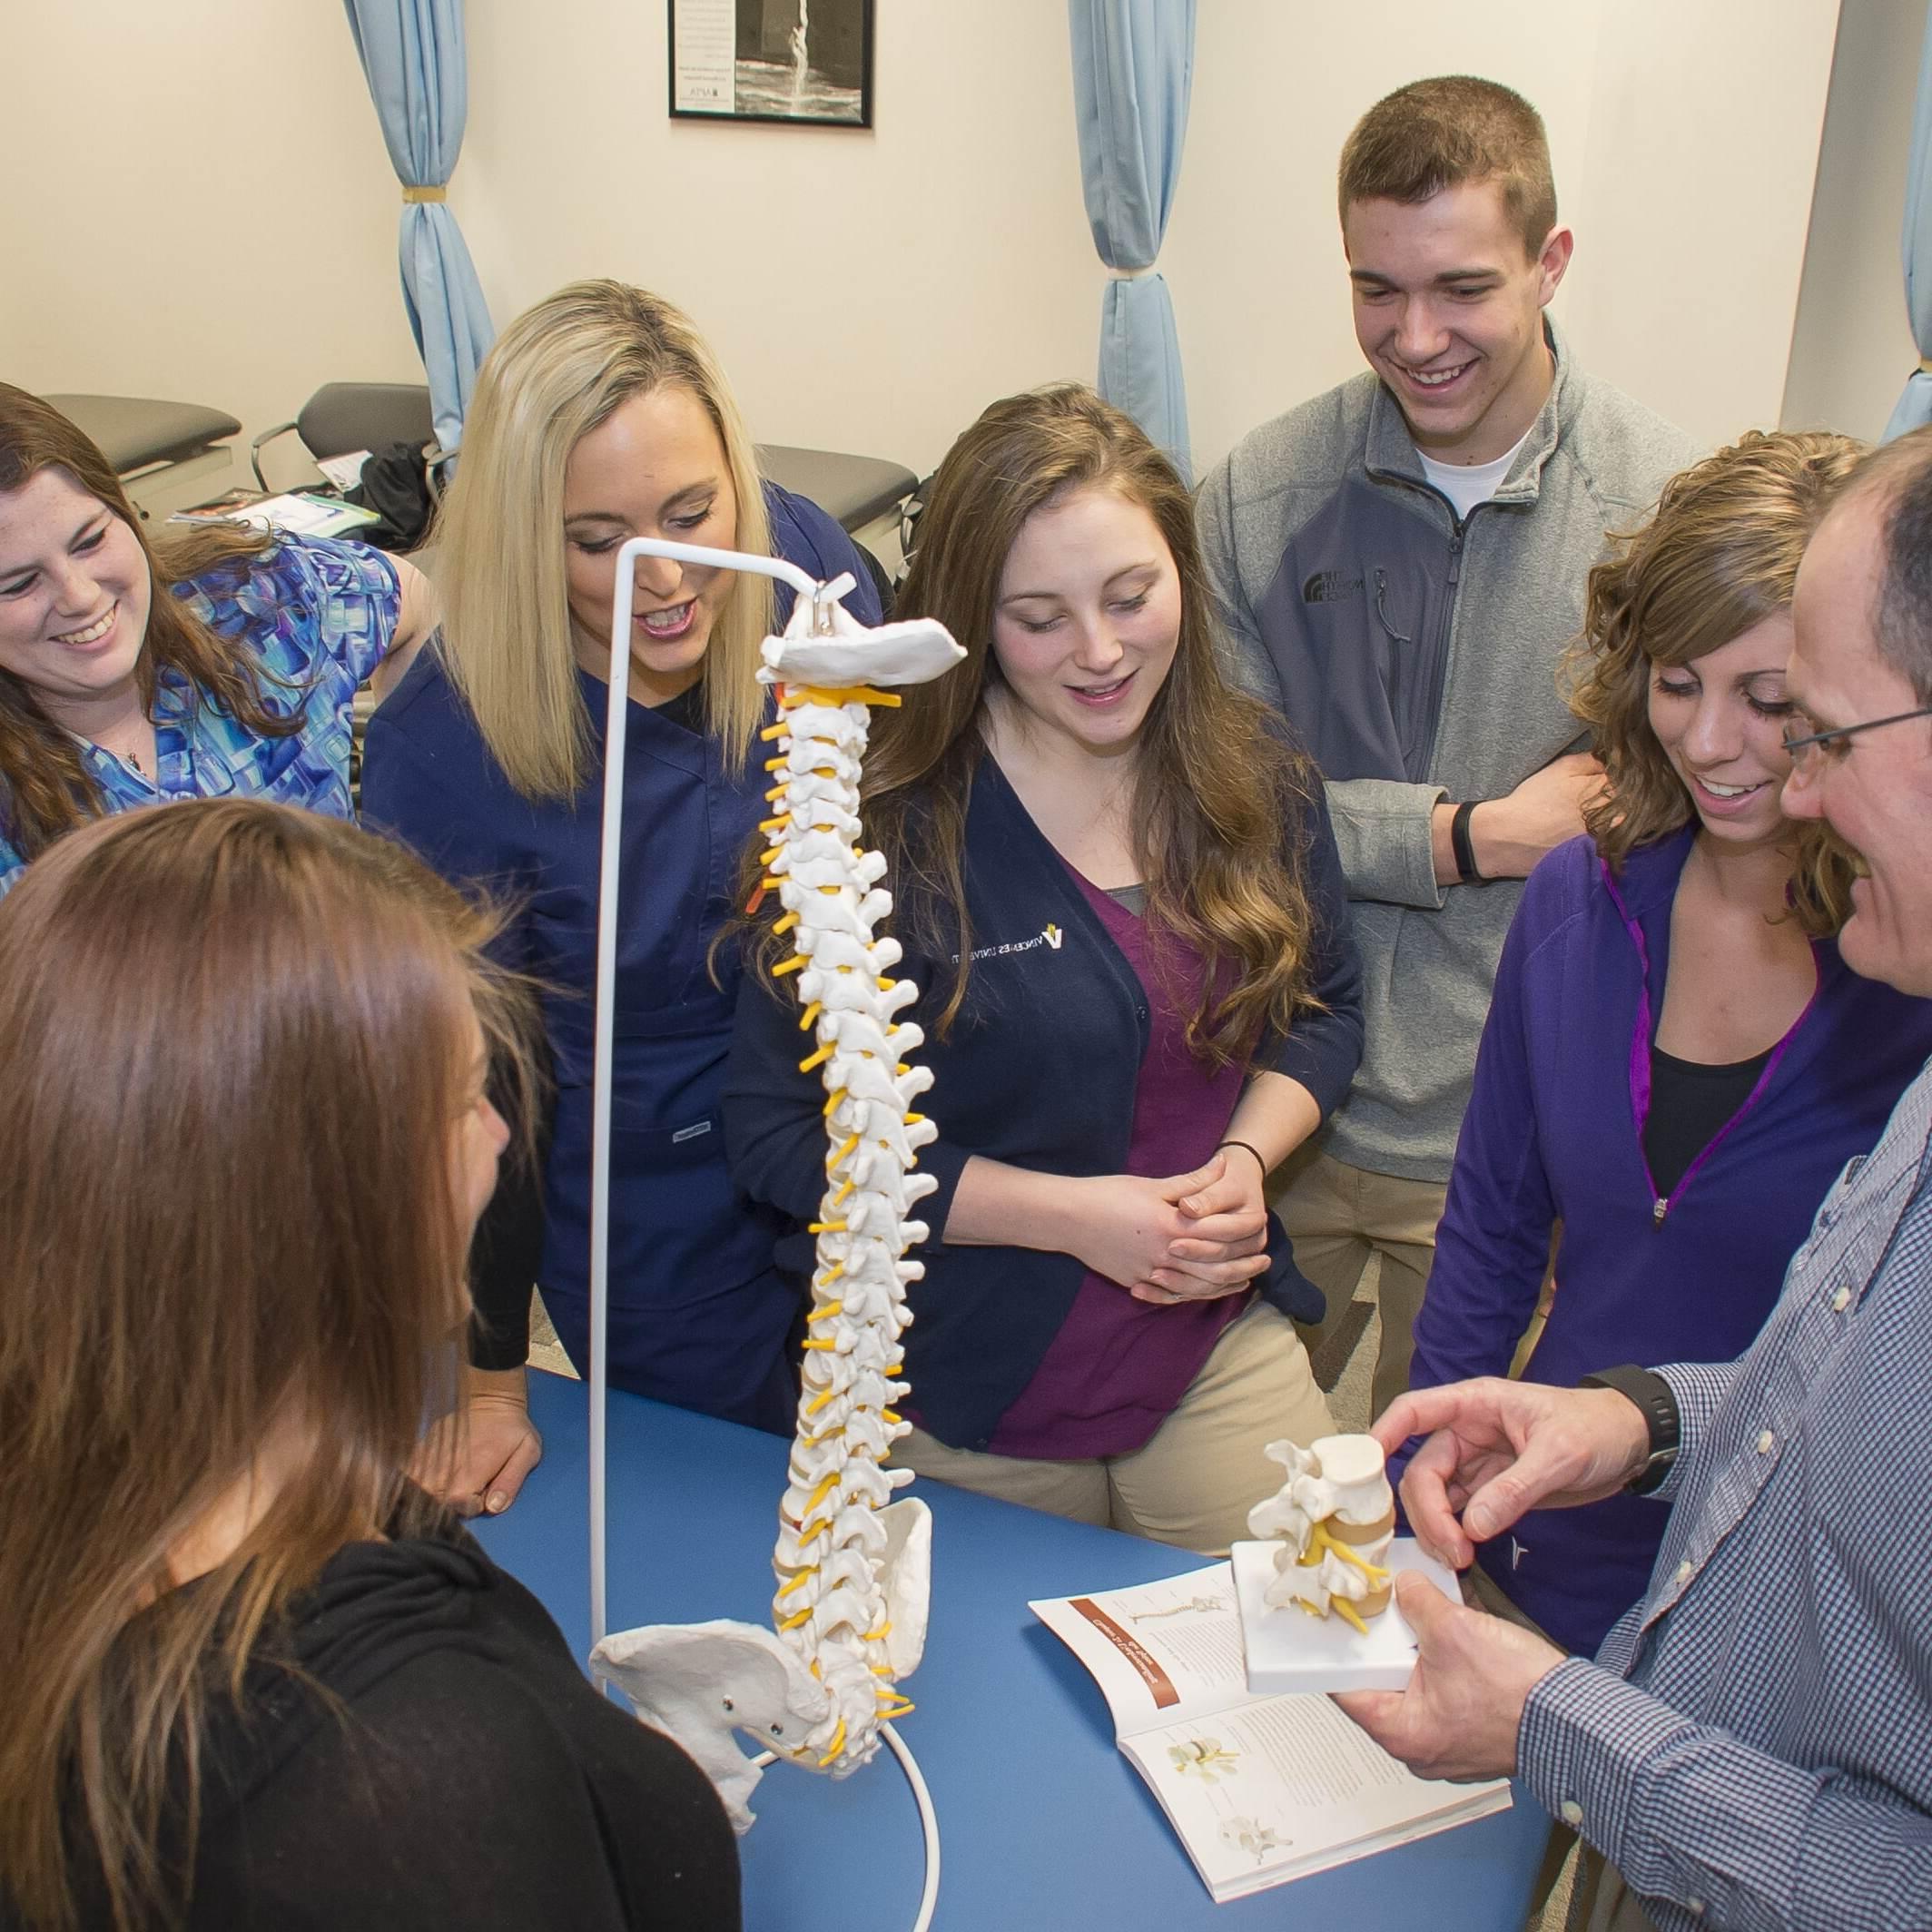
413,58
1914,407
1133,70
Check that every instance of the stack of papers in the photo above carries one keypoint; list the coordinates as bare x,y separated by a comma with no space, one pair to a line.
305,516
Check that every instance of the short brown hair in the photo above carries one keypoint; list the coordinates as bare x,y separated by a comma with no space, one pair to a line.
1439,133
45,784
237,1040
1899,475
1720,555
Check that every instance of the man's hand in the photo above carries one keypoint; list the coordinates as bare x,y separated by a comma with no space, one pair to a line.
1496,1449
1511,834
476,1459
1459,1716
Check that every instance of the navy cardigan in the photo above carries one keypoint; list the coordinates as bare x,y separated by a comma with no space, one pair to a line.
1040,1070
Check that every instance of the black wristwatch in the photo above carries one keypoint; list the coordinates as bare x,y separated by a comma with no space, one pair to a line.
1463,845
1655,1398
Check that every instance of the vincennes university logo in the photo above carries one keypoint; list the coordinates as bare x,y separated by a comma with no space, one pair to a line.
1050,935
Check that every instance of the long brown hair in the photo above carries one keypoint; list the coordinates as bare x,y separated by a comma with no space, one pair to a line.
1218,792
46,788
1719,557
237,1043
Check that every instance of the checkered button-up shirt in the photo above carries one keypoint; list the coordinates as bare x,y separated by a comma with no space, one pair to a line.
1753,1747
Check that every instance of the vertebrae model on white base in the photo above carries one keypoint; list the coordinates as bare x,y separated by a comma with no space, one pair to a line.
1334,1518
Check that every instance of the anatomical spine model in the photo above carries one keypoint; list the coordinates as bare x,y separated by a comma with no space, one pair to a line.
841,1542
853,1567
1335,1517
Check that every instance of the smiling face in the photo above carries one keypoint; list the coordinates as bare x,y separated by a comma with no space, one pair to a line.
1720,720
74,592
1088,617
1448,309
1874,790
653,467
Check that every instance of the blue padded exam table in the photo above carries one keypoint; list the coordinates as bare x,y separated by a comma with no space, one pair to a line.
1043,1824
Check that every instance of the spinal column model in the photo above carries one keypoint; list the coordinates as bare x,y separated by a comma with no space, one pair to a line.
853,1568
1335,1515
840,1548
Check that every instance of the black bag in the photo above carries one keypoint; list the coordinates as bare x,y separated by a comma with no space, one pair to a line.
395,484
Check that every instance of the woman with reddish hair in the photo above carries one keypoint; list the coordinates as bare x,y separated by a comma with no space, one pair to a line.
213,660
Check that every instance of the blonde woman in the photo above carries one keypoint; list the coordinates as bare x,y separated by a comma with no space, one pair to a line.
1678,1062
601,415
1119,894
256,1676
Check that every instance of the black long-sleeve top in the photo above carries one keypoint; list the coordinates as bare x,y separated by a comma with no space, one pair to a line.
471,1777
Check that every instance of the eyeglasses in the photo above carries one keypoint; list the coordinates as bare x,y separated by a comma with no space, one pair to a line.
1799,750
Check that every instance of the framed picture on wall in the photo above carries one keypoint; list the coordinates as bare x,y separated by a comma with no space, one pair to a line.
801,61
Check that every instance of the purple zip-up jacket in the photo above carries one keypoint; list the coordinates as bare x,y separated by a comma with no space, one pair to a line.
1554,1134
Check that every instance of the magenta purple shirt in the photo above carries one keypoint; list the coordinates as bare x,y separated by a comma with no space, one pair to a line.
1119,1367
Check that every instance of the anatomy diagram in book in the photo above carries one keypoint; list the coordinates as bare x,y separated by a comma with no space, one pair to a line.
1206,1758
1198,1606
1249,1835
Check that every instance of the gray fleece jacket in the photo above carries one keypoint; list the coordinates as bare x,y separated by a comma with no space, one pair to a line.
1416,657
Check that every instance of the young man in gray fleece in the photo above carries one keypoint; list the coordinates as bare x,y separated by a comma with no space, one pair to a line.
1399,564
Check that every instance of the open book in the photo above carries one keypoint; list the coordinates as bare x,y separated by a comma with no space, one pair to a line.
1261,1790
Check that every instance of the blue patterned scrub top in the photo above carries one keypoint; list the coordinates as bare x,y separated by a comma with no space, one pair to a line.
319,615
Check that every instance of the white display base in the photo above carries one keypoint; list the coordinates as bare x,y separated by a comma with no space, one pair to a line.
1289,1651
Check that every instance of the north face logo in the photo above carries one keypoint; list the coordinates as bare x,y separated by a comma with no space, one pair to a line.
1329,587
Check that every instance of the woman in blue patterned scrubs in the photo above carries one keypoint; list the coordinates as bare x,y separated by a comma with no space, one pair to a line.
211,663
601,415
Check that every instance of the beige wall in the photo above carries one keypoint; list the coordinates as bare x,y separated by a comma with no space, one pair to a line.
198,205
226,229
1852,347
1690,309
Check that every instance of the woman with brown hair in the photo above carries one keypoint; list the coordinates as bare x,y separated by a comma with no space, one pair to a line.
1677,1063
1120,900
216,660
256,1677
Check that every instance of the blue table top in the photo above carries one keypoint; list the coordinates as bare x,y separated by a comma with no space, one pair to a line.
1042,1822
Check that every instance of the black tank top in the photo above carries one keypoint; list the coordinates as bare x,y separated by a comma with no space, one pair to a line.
1689,1105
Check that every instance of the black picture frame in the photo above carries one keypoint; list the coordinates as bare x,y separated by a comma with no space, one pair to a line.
825,80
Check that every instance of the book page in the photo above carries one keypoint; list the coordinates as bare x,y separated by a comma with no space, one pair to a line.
1288,1787
1162,1651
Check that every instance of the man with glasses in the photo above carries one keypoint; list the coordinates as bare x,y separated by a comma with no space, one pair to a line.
1753,1747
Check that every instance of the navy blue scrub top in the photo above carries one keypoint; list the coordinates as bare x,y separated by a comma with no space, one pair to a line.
699,1316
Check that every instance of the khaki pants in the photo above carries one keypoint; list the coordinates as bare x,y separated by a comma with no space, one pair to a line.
1194,1481
1336,1217
1600,1901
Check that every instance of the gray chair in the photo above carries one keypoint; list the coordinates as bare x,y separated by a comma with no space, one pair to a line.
858,490
138,433
343,417
167,454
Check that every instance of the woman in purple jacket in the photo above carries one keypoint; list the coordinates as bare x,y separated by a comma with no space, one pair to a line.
1677,1063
